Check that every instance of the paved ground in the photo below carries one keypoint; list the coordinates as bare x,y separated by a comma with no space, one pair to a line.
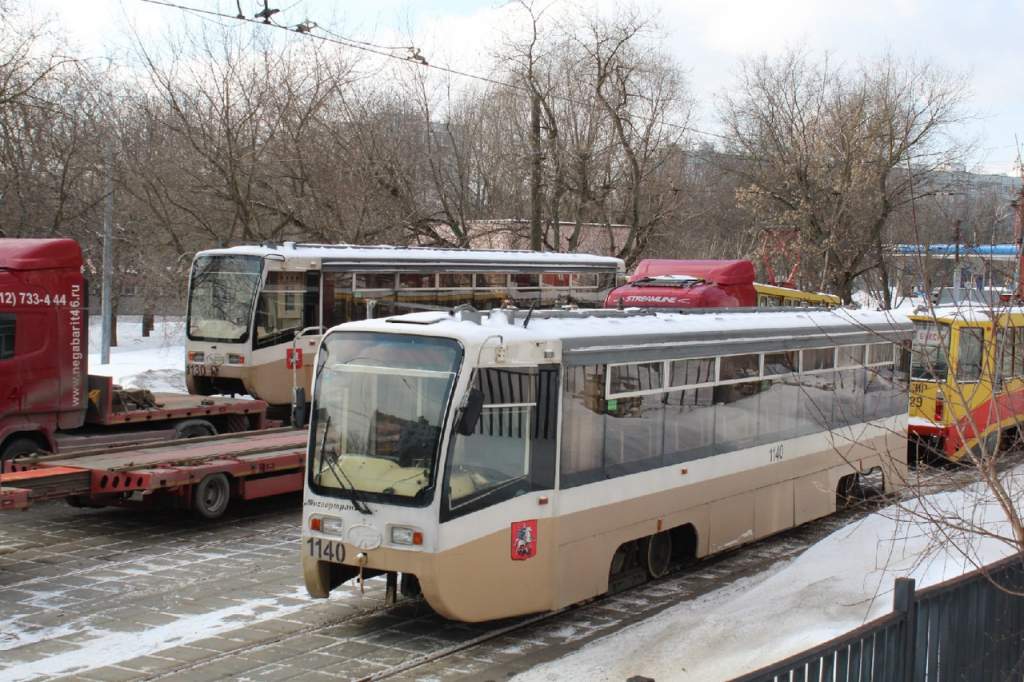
123,595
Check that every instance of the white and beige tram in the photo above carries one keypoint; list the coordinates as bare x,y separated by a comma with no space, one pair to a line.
247,304
510,463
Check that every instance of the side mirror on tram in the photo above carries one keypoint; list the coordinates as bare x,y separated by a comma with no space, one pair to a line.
469,415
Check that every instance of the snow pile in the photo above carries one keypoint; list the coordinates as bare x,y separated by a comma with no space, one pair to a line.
835,586
156,362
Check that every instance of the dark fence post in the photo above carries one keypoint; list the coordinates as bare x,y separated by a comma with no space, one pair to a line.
903,602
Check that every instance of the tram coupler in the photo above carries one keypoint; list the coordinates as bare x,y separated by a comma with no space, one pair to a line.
391,590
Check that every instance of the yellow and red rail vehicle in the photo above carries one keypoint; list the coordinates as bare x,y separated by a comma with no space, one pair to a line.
967,379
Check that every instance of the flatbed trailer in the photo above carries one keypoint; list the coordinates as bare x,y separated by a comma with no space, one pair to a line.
202,474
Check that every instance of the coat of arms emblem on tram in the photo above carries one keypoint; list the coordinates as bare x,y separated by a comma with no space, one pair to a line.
524,539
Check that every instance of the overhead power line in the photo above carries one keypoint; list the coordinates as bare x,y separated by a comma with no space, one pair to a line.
414,56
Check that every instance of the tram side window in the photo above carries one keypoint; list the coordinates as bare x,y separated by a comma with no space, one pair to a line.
622,434
1018,352
582,453
7,335
969,354
848,401
1004,352
513,449
738,409
779,416
879,391
633,434
288,303
689,423
636,376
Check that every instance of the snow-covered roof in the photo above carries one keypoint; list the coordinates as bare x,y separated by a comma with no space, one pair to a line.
386,255
600,335
967,312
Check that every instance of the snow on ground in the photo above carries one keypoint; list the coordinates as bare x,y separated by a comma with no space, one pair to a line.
835,586
156,362
105,647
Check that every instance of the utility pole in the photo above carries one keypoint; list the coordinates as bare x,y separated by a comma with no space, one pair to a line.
108,255
535,170
956,262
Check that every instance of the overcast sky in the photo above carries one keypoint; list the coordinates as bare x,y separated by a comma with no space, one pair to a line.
707,37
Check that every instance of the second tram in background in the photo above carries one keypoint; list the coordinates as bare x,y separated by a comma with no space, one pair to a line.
246,304
520,462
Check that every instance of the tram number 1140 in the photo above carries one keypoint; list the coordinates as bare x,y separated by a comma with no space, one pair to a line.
325,550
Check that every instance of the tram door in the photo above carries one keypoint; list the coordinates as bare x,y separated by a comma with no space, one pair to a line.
502,481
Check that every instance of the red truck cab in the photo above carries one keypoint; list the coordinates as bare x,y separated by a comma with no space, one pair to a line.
659,283
43,342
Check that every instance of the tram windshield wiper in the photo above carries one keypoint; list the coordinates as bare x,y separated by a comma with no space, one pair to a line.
331,459
358,501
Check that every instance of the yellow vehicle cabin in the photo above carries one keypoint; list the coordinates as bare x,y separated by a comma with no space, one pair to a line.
967,379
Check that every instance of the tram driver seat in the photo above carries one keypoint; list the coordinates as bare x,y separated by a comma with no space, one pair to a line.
416,442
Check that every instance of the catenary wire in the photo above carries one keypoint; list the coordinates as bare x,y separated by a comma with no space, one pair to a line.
382,51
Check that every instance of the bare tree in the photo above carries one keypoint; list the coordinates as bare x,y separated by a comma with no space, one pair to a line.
834,151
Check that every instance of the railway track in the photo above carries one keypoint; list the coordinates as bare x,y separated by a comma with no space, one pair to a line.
352,639
429,646
542,637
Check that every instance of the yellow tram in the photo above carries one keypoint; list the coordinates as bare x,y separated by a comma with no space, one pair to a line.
967,378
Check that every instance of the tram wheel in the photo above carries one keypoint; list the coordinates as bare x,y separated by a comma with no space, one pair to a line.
210,498
620,559
317,575
849,491
656,553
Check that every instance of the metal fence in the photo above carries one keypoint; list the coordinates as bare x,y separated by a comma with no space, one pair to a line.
969,629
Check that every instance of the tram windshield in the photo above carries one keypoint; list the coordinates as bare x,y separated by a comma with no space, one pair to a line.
221,296
379,409
930,353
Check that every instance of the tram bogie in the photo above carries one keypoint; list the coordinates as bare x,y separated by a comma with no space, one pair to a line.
516,467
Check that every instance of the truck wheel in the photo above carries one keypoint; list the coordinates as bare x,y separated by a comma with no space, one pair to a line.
20,447
194,428
210,498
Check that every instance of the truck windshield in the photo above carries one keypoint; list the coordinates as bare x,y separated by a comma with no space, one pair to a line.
221,296
930,353
378,411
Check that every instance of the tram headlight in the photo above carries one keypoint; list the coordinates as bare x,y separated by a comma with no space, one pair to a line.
197,356
405,536
328,525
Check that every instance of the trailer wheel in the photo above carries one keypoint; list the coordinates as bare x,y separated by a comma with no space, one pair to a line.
194,428
210,498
